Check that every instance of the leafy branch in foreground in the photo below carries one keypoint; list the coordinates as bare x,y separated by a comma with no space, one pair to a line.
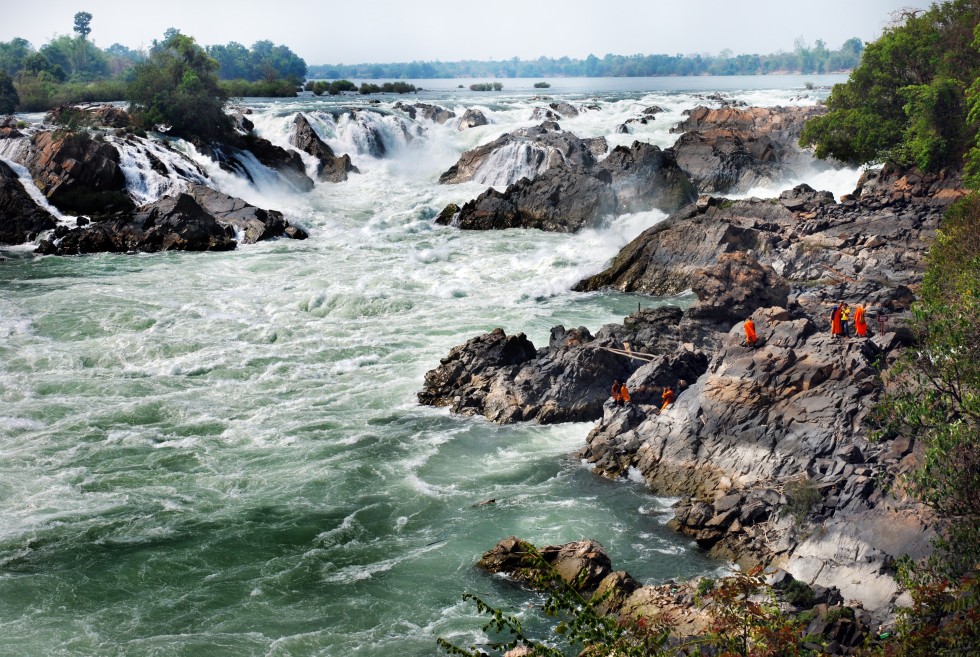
580,621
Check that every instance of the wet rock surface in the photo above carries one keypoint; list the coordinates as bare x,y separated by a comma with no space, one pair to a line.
732,150
21,219
766,444
331,167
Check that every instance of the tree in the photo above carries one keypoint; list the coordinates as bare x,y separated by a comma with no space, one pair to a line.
906,102
82,21
12,55
8,94
177,85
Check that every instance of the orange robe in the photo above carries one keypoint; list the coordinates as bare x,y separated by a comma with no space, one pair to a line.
860,323
750,336
835,321
668,398
624,393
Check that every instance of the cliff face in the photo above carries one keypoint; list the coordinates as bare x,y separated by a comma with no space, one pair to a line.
766,444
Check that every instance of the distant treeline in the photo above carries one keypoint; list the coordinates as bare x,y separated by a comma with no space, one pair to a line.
71,69
804,59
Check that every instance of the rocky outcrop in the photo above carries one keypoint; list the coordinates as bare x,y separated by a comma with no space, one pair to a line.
562,200
288,164
250,223
524,153
331,168
20,217
871,248
472,118
686,609
644,177
428,112
202,219
78,173
172,223
568,199
505,379
733,150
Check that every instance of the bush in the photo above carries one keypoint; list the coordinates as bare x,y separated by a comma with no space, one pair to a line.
541,85
259,89
799,594
487,86
802,496
178,85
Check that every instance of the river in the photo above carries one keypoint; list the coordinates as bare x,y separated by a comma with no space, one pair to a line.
222,454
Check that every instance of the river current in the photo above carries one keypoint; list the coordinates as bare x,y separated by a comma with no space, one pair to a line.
222,454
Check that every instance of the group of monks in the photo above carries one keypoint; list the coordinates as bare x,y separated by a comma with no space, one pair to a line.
621,395
840,318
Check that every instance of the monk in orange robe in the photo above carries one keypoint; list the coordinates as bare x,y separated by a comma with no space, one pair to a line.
750,336
860,322
667,397
836,328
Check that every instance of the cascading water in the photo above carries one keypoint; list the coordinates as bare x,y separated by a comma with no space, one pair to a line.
222,453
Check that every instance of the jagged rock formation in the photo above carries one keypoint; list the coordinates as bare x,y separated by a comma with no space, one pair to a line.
472,118
287,164
587,568
78,174
20,217
331,168
169,224
568,198
526,152
733,150
429,112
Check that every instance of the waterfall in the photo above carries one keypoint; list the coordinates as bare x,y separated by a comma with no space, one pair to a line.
42,201
514,161
153,170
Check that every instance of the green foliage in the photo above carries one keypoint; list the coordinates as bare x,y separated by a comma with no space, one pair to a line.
259,89
12,55
579,624
541,85
799,594
906,101
705,584
78,57
387,87
82,27
747,620
178,85
8,94
265,61
802,496
935,394
486,86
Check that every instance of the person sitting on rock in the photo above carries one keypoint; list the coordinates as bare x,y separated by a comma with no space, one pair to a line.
750,336
667,397
617,393
860,322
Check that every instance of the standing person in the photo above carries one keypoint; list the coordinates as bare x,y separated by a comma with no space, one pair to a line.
860,322
845,317
835,324
750,336
667,397
617,393
624,394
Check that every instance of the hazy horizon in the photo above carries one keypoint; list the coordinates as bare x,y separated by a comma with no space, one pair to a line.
387,31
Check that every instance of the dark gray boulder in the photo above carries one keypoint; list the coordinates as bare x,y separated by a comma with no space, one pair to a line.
170,224
472,118
21,219
331,167
253,224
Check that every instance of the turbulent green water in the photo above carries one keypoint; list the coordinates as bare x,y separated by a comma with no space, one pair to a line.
222,454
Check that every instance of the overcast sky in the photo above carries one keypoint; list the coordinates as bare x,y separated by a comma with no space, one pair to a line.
363,31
